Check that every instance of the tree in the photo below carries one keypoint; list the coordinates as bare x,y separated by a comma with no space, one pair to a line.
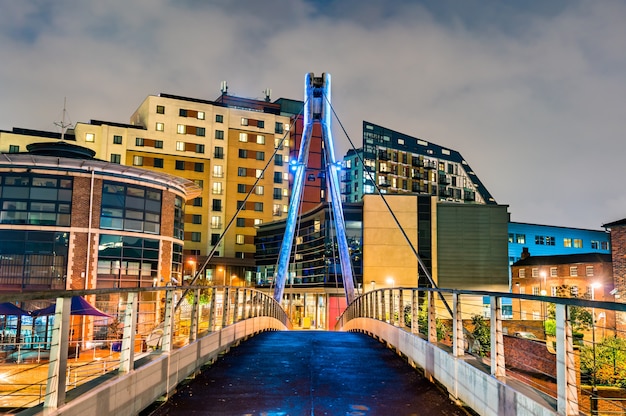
481,332
609,365
580,318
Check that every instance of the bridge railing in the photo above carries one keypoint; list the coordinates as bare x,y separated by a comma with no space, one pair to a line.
569,352
48,354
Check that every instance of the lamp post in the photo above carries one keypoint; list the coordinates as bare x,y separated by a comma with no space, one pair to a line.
594,388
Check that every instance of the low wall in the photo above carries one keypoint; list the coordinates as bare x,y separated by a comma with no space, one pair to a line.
129,394
483,393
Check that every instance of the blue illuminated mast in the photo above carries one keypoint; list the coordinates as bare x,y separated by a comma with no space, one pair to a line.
316,109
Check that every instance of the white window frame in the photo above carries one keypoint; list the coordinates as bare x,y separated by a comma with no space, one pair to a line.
243,137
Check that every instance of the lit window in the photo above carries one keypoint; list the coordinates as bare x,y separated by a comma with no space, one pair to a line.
573,290
276,210
285,192
90,137
244,121
200,115
573,271
522,273
243,137
218,171
536,290
259,173
521,238
589,271
217,188
199,182
553,272
180,146
259,190
240,238
216,222
258,221
137,160
567,242
578,243
160,127
180,129
535,272
260,139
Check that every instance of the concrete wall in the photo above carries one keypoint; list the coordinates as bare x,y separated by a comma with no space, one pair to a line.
128,394
480,391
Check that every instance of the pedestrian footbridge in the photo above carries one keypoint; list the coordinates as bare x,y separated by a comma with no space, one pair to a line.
161,338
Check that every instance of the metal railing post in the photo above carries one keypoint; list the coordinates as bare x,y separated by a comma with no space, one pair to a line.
567,390
432,318
195,316
127,353
401,322
56,383
497,339
458,342
415,309
168,324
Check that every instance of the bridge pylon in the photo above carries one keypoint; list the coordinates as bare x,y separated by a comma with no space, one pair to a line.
317,109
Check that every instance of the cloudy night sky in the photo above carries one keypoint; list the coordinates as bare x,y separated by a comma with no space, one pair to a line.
531,93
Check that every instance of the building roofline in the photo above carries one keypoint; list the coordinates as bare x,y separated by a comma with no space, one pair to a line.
558,226
564,259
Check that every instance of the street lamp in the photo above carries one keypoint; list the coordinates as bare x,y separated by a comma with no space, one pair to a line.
221,269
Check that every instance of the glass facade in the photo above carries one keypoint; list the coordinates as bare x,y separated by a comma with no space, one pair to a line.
33,260
125,261
130,208
35,199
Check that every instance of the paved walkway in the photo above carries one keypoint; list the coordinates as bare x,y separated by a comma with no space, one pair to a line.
309,373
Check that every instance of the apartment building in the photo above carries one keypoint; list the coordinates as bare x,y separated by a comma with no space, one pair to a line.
396,163
235,149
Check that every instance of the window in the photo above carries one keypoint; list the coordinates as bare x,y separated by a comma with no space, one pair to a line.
241,188
197,202
553,290
534,272
243,137
604,245
160,109
276,210
578,243
259,190
243,153
117,139
219,134
278,128
595,245
536,290
589,271
277,194
196,237
116,158
259,173
215,238
182,112
219,118
241,222
199,182
198,167
567,242
180,165
522,290
218,171
539,240
244,121
553,272
240,239
550,240
257,222
219,152
90,137
139,141
241,205
14,149
200,131
130,208
217,188
278,160
258,206
158,144
573,271
217,205
200,115
199,148
260,155
522,273
196,219
521,238
278,177
160,127
242,172
181,129
216,221
260,124
137,160
158,162
260,139
573,290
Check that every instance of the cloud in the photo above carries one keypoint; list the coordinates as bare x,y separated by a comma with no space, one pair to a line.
531,93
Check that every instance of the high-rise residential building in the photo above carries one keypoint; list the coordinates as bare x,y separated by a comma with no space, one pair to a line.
396,163
225,146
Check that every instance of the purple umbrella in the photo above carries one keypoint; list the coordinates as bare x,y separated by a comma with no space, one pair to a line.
9,309
79,307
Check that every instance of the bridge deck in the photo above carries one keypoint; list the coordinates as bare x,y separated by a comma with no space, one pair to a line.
309,373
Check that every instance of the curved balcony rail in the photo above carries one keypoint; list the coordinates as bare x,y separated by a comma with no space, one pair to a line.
564,355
